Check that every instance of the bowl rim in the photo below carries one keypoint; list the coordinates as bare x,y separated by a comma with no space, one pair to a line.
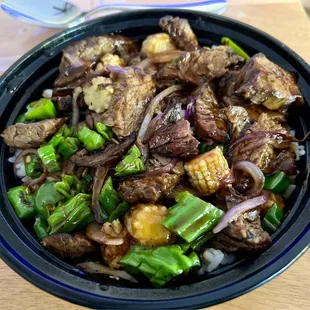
63,290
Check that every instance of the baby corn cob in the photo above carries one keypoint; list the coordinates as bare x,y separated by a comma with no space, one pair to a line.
207,171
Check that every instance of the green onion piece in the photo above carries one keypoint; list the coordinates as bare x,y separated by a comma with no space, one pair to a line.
273,219
277,182
71,215
131,163
108,197
160,264
40,228
120,210
91,139
46,199
22,202
40,110
49,158
33,165
105,131
191,217
237,49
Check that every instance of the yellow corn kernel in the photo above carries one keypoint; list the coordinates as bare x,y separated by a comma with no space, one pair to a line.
207,171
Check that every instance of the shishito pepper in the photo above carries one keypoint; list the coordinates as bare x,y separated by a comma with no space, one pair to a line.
131,163
277,182
21,119
236,48
91,139
40,110
105,131
40,228
160,264
46,199
69,186
195,245
72,214
22,202
68,146
273,219
33,165
108,197
191,217
48,156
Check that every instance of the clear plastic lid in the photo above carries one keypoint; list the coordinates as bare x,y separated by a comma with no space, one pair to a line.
17,37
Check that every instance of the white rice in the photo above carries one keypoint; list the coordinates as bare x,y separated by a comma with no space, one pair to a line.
213,258
47,93
13,158
20,170
290,189
299,150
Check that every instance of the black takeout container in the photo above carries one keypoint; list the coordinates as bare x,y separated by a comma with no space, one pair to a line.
28,77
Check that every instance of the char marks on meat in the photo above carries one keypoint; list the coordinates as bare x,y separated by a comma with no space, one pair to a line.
70,247
201,66
132,90
24,136
150,188
174,140
180,32
245,234
238,121
108,156
210,122
264,82
270,121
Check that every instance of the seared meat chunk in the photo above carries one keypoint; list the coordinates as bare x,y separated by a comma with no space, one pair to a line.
180,32
264,82
28,135
131,91
201,66
226,90
238,121
109,155
174,140
245,234
261,148
210,122
285,161
92,49
156,161
70,247
270,121
150,188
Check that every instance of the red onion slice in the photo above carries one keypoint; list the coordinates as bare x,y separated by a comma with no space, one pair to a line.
256,174
94,232
238,209
96,268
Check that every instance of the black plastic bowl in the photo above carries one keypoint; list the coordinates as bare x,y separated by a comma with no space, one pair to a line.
24,82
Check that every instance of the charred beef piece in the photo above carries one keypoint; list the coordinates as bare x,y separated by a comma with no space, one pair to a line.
210,122
174,140
108,156
243,235
150,188
132,90
238,121
68,167
24,136
180,32
70,247
270,121
92,49
226,93
201,66
264,82
156,161
285,161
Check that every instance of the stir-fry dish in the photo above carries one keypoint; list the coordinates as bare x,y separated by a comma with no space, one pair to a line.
154,160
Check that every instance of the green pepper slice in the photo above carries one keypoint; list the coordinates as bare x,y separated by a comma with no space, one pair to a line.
48,156
40,110
273,219
33,165
40,228
91,139
22,202
235,47
277,182
108,197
